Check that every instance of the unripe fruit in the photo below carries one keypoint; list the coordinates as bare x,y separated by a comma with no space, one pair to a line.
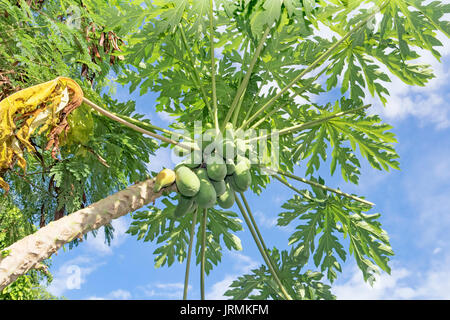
185,205
216,168
187,181
226,200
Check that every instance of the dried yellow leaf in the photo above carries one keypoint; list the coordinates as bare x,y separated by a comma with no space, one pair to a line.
45,106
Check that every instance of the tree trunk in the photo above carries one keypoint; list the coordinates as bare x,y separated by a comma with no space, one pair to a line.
28,252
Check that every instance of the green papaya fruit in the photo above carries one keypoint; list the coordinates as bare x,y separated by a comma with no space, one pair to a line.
192,161
241,176
206,196
202,174
184,206
187,181
230,168
219,186
232,184
194,205
226,149
229,131
206,140
244,160
216,168
226,200
187,164
241,147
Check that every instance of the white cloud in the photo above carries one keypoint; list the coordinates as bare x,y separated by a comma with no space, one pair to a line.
165,116
114,295
429,104
300,100
385,287
164,290
219,288
120,294
221,29
242,264
72,274
433,283
95,298
279,199
264,220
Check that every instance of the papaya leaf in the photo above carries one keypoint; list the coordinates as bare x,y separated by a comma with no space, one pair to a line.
325,222
259,284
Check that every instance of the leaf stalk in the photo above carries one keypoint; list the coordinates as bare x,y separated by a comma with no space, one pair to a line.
244,83
261,250
188,260
321,186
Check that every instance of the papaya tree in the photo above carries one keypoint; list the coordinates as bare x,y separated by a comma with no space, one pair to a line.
252,73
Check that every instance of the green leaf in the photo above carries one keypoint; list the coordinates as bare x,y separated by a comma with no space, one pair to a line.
330,219
199,14
345,135
259,284
272,11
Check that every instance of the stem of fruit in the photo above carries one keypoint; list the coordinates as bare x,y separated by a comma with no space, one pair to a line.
202,255
319,60
318,185
261,250
196,76
246,79
132,126
188,260
311,124
213,65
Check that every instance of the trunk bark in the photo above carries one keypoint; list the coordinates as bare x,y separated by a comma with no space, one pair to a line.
28,252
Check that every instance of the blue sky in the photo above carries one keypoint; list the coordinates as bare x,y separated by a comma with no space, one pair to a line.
414,203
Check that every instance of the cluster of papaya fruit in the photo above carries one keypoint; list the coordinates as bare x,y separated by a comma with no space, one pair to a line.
213,180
